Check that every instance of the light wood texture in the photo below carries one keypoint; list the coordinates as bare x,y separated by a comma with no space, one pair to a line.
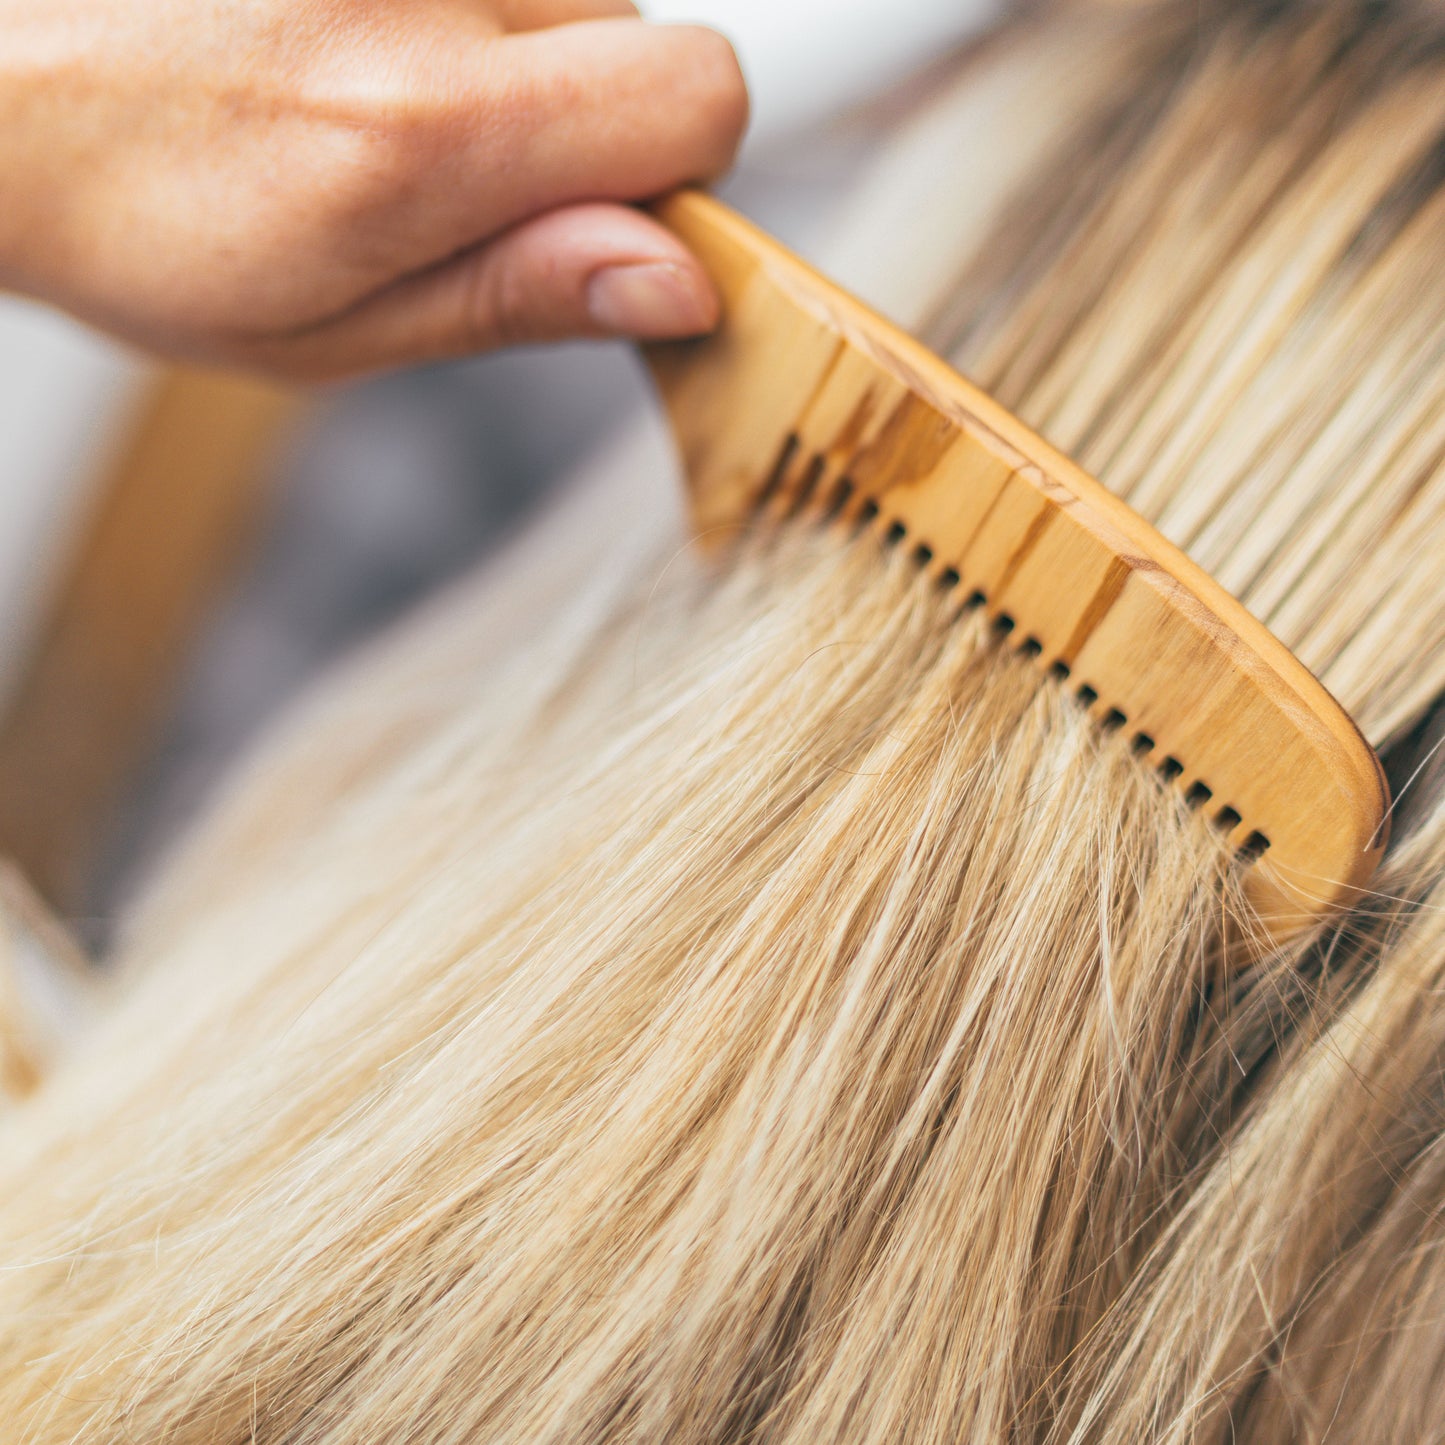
173,519
805,400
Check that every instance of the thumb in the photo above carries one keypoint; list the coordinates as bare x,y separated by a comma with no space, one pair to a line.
588,270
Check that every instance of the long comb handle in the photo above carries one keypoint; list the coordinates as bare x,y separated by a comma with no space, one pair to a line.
805,399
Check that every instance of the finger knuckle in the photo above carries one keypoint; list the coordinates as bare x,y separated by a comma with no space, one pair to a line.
497,305
395,120
408,131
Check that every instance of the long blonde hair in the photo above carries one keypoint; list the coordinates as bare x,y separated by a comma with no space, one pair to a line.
762,1007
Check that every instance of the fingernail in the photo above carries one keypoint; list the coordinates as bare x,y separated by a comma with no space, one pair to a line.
649,300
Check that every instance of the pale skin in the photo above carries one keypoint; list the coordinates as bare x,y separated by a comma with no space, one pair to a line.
319,188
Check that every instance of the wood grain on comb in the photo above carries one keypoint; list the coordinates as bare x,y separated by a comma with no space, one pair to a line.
805,398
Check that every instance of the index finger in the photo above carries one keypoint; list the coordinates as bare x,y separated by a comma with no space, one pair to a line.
610,110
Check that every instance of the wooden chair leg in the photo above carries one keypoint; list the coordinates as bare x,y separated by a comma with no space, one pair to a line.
49,989
172,523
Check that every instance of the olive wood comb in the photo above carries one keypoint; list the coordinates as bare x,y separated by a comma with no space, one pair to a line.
805,401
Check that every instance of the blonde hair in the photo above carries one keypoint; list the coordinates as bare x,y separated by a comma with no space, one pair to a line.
775,1012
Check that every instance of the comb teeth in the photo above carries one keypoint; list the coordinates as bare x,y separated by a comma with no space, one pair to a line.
805,403
800,487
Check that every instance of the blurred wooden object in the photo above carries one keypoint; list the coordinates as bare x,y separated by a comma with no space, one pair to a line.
171,524
49,989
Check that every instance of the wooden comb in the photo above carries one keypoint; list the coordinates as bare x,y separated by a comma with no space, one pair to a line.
805,400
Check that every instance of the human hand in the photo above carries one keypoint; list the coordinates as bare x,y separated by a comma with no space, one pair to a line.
324,187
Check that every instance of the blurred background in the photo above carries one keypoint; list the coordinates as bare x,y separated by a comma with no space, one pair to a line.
181,553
